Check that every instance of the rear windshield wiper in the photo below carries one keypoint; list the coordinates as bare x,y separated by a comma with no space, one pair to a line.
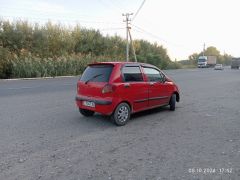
93,78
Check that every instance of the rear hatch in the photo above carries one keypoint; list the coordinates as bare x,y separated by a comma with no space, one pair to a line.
94,79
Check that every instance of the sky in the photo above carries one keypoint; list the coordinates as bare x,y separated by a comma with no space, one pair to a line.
180,26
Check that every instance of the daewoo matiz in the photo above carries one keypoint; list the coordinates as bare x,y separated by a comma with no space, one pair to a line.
119,89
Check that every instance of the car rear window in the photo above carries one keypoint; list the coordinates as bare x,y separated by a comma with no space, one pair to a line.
97,73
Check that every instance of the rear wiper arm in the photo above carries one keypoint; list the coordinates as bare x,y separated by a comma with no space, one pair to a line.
93,78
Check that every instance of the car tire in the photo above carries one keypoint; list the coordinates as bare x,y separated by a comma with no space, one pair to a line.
121,115
86,113
172,102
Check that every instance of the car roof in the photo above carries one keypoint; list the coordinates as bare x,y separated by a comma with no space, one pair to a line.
123,63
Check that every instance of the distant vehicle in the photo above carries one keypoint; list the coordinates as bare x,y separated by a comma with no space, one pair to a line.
119,89
207,61
235,63
218,67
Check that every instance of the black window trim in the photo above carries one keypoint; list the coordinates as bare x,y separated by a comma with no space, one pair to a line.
153,67
132,65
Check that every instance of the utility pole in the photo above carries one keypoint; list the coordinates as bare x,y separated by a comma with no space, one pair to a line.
127,20
135,57
203,49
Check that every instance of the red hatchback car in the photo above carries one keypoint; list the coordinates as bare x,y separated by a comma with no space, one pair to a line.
119,89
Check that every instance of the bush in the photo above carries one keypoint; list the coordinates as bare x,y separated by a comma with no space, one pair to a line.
28,50
5,63
174,65
28,66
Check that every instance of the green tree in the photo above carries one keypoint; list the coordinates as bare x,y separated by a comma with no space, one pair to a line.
193,58
212,51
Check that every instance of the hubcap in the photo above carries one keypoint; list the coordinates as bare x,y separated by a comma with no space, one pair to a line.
122,114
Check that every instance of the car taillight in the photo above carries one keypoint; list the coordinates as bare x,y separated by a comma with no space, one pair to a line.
108,88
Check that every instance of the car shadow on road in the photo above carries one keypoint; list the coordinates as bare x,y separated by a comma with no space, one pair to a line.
99,120
95,120
149,112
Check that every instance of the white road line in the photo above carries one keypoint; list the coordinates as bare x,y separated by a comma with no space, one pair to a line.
33,87
38,78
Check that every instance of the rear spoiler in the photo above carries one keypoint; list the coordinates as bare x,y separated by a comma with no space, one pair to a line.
100,63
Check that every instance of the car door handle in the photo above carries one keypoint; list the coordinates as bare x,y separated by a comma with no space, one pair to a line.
127,85
152,83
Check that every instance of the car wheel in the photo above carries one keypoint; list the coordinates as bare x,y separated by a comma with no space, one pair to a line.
172,102
121,114
85,112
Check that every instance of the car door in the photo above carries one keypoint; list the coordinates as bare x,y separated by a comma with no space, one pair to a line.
134,88
157,88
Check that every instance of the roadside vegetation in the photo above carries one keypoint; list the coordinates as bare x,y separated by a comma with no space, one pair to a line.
33,50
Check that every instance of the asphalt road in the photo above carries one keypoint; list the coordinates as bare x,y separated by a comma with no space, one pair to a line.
43,136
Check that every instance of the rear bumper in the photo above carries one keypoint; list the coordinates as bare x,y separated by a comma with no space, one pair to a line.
103,106
96,101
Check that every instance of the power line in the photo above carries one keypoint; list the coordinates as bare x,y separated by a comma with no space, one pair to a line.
138,10
141,30
57,19
115,5
107,5
8,10
149,33
110,29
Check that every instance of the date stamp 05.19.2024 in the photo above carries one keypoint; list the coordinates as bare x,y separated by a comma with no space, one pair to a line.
196,170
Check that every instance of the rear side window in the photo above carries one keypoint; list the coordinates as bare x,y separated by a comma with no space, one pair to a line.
97,73
153,75
132,74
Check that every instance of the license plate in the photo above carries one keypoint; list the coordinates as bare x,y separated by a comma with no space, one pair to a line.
88,103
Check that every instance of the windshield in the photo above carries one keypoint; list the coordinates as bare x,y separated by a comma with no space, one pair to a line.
97,73
201,60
